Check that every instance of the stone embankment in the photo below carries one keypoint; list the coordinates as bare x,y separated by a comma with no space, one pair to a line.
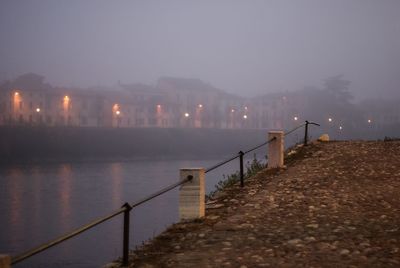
335,205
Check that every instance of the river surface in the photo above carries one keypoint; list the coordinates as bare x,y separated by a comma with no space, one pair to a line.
40,202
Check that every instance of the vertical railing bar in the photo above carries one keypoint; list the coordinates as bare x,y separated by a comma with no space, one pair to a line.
241,169
125,242
306,134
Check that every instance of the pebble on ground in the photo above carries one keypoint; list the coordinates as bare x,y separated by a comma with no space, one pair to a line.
336,205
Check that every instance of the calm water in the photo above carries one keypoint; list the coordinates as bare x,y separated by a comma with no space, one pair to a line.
42,201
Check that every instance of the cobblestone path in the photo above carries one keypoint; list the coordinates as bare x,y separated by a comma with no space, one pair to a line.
336,205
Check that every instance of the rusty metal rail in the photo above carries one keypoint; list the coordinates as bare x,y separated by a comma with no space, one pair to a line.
126,208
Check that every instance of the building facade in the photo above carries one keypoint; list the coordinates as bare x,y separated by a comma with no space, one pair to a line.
178,103
172,103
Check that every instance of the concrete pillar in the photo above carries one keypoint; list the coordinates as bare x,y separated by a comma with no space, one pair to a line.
5,261
275,149
192,194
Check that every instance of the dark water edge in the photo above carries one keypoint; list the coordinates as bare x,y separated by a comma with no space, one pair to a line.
29,145
56,179
65,144
41,202
22,162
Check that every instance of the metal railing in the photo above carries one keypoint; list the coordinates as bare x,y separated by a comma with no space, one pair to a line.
240,156
241,153
126,208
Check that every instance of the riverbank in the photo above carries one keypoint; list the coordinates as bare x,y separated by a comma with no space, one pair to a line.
336,205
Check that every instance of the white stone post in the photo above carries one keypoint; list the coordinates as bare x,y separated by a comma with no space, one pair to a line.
5,261
275,149
192,194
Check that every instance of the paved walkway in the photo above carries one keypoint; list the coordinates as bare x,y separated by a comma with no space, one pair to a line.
336,205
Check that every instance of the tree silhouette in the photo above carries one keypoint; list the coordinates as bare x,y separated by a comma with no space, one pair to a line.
338,88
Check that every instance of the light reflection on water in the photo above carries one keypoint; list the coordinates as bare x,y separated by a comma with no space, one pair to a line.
41,202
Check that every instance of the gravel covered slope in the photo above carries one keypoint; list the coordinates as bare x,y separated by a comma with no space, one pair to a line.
336,205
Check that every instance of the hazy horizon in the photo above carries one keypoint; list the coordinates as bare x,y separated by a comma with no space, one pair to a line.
242,47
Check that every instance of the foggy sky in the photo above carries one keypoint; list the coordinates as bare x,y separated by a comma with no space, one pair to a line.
244,47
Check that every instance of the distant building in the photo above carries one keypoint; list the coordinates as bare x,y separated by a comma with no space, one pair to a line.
380,112
171,103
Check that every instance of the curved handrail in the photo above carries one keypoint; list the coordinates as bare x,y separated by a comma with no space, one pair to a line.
127,207
64,237
92,224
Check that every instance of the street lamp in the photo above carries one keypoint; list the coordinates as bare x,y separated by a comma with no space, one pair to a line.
66,102
38,110
245,116
118,116
330,119
296,118
186,115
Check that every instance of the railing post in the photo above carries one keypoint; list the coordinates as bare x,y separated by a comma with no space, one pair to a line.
275,149
192,194
241,169
5,261
125,246
306,133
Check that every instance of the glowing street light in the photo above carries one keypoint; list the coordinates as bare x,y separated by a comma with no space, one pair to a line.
330,119
369,121
16,93
233,110
340,128
245,116
38,110
186,115
200,105
295,118
116,108
158,106
66,103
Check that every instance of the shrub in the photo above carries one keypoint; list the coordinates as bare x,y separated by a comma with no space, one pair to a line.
252,167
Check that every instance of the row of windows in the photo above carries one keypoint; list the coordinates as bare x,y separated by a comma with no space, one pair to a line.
83,120
141,122
40,118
